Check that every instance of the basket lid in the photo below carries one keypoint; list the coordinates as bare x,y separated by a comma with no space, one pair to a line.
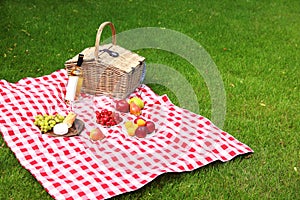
112,55
119,57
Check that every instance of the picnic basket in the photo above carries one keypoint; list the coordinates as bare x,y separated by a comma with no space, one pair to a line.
109,69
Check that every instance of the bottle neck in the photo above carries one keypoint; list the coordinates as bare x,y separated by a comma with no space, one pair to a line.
76,71
80,60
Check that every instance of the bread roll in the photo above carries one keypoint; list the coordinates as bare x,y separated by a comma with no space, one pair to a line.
69,119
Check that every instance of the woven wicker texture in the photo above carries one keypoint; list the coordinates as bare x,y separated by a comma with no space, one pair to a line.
109,69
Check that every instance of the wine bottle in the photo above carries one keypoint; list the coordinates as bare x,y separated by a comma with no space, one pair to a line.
75,81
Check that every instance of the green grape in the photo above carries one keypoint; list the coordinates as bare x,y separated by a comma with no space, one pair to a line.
46,127
47,122
60,117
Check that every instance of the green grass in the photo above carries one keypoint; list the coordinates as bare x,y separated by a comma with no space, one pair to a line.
260,70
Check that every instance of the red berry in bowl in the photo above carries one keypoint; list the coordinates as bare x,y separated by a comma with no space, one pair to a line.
107,118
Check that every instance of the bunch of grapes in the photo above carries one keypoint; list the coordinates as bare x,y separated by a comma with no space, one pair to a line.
47,122
107,118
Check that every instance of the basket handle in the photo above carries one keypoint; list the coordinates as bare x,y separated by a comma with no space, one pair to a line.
98,36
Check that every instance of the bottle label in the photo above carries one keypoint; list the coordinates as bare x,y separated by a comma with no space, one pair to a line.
71,88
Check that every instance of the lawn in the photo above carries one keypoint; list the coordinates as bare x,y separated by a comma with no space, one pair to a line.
255,46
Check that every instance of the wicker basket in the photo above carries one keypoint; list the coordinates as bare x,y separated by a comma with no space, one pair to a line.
109,69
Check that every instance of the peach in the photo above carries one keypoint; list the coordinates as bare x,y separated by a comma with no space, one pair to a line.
96,134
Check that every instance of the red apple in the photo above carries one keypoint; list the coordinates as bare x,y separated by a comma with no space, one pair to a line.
122,105
141,132
150,126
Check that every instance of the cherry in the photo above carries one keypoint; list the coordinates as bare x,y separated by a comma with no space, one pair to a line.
107,118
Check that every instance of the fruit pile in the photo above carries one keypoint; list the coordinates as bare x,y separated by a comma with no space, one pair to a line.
134,106
47,122
139,127
107,118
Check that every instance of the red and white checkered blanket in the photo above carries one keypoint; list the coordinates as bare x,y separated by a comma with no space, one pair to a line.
76,168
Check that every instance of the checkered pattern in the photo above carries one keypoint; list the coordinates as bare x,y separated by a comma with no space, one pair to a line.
77,168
